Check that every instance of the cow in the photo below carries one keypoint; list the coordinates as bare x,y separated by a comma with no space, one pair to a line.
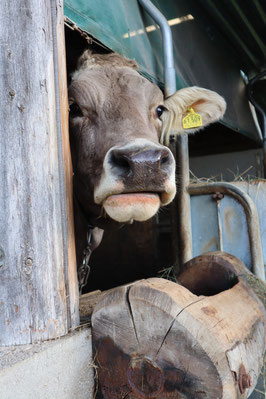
120,126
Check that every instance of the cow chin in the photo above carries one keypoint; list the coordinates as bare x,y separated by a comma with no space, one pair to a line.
126,208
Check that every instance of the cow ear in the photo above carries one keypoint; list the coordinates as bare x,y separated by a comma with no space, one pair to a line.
208,104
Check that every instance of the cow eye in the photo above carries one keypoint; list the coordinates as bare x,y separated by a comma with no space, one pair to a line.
160,110
74,110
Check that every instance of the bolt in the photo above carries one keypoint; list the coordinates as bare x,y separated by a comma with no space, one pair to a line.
244,381
218,196
28,262
12,93
28,266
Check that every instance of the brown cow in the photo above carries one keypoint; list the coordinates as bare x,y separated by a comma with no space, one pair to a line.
119,122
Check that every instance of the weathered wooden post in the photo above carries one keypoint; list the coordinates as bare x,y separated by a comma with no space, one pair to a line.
38,285
202,338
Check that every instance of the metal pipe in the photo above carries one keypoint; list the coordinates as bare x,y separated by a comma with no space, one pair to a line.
183,199
220,230
169,65
251,215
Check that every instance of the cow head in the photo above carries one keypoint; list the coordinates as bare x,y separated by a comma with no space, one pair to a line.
119,123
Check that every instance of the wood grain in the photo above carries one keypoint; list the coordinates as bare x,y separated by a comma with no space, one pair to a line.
70,261
159,339
33,281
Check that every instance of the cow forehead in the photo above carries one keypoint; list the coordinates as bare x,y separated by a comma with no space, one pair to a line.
95,85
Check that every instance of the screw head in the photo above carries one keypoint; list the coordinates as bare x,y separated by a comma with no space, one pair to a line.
28,262
12,93
217,196
28,266
244,380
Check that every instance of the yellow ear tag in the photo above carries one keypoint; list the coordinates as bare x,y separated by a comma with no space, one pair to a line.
191,120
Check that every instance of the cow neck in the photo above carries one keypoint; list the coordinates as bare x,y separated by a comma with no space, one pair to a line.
81,209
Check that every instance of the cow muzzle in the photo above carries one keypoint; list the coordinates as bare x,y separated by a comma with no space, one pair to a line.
137,179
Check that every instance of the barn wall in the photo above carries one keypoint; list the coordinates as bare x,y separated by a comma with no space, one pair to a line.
38,288
228,166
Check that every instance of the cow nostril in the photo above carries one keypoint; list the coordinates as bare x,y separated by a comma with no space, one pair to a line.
120,162
164,160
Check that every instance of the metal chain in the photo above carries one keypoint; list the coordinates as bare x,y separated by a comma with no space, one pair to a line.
84,268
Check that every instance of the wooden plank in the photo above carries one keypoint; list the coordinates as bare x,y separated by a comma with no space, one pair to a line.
33,297
71,282
87,302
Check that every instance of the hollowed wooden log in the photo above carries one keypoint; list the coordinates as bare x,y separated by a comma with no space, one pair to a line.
158,339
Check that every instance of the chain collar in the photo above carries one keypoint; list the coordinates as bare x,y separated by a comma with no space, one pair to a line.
84,268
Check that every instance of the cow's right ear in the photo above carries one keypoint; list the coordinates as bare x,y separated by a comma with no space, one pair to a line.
209,105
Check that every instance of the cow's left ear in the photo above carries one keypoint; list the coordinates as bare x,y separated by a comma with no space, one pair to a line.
206,103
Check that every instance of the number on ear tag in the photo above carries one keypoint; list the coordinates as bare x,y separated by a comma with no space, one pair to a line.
191,120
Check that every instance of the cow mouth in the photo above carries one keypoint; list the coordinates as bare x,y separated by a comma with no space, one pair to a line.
127,207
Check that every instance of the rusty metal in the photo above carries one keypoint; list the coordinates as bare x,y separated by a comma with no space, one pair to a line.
244,379
251,215
218,197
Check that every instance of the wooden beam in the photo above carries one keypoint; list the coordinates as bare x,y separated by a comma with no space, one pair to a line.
70,264
36,262
158,339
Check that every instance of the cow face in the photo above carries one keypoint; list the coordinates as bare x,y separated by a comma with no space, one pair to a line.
118,121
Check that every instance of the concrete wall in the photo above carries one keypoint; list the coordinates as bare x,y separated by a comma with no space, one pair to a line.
59,369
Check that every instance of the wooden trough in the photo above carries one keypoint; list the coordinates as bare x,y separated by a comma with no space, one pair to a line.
202,338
